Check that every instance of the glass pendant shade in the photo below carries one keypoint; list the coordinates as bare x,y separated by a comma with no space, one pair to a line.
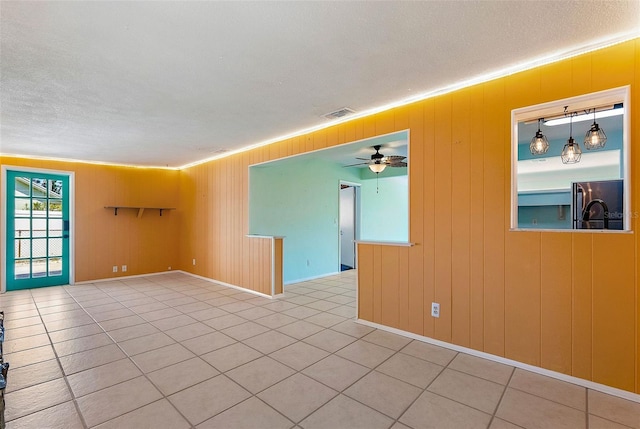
595,138
377,168
539,144
571,152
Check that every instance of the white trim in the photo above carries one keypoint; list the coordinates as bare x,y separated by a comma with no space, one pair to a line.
306,279
264,295
535,369
608,96
377,136
133,276
387,243
3,216
357,195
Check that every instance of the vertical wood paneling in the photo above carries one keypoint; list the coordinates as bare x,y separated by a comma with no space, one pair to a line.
401,122
522,297
365,280
581,303
403,288
278,256
555,81
385,122
443,215
614,312
581,74
146,245
634,209
502,292
555,298
389,286
613,67
476,214
416,219
495,145
377,284
460,220
429,205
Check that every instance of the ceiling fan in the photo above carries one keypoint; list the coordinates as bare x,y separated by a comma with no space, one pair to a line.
379,162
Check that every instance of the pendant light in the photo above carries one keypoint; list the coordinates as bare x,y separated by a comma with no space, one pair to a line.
571,151
595,137
539,144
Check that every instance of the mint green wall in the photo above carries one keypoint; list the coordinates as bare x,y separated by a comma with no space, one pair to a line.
299,199
385,213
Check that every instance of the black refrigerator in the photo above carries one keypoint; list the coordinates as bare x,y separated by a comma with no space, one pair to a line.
598,205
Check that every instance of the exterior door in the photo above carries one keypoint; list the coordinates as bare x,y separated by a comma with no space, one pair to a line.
37,230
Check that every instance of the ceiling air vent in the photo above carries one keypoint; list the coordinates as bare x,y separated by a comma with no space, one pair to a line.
345,111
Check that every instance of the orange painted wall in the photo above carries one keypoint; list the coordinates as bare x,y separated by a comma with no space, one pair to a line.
501,292
563,301
146,245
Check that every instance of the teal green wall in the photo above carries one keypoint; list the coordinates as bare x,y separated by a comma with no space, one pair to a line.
298,198
385,212
545,217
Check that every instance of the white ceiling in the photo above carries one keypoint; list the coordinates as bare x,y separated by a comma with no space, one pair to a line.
170,83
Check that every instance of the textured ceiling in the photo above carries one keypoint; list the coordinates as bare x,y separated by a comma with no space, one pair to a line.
170,83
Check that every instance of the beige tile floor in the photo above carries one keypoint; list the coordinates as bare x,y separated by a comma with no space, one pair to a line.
174,351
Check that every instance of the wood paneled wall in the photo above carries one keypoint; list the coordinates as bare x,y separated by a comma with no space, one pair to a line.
562,301
146,245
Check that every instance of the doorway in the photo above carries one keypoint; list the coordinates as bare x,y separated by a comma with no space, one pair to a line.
37,229
349,193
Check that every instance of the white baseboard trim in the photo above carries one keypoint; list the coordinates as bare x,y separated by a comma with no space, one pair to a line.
306,279
243,289
110,279
535,369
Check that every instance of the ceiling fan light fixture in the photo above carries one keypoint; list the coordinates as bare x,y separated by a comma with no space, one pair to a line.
377,167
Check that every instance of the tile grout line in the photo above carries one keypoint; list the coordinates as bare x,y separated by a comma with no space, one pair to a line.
57,358
141,371
504,391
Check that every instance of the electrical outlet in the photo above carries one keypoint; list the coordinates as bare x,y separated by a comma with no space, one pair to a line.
435,309
124,268
115,268
194,261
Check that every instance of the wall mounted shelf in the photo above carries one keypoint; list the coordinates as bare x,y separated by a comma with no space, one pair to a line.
140,209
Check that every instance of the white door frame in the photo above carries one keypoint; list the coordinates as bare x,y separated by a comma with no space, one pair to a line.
3,217
356,229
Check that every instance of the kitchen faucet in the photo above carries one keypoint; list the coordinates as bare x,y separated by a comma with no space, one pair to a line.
605,212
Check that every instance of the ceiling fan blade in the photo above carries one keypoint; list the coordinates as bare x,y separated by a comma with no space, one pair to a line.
397,164
353,165
364,159
394,158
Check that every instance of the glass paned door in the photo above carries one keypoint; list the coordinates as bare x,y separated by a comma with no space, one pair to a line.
37,230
